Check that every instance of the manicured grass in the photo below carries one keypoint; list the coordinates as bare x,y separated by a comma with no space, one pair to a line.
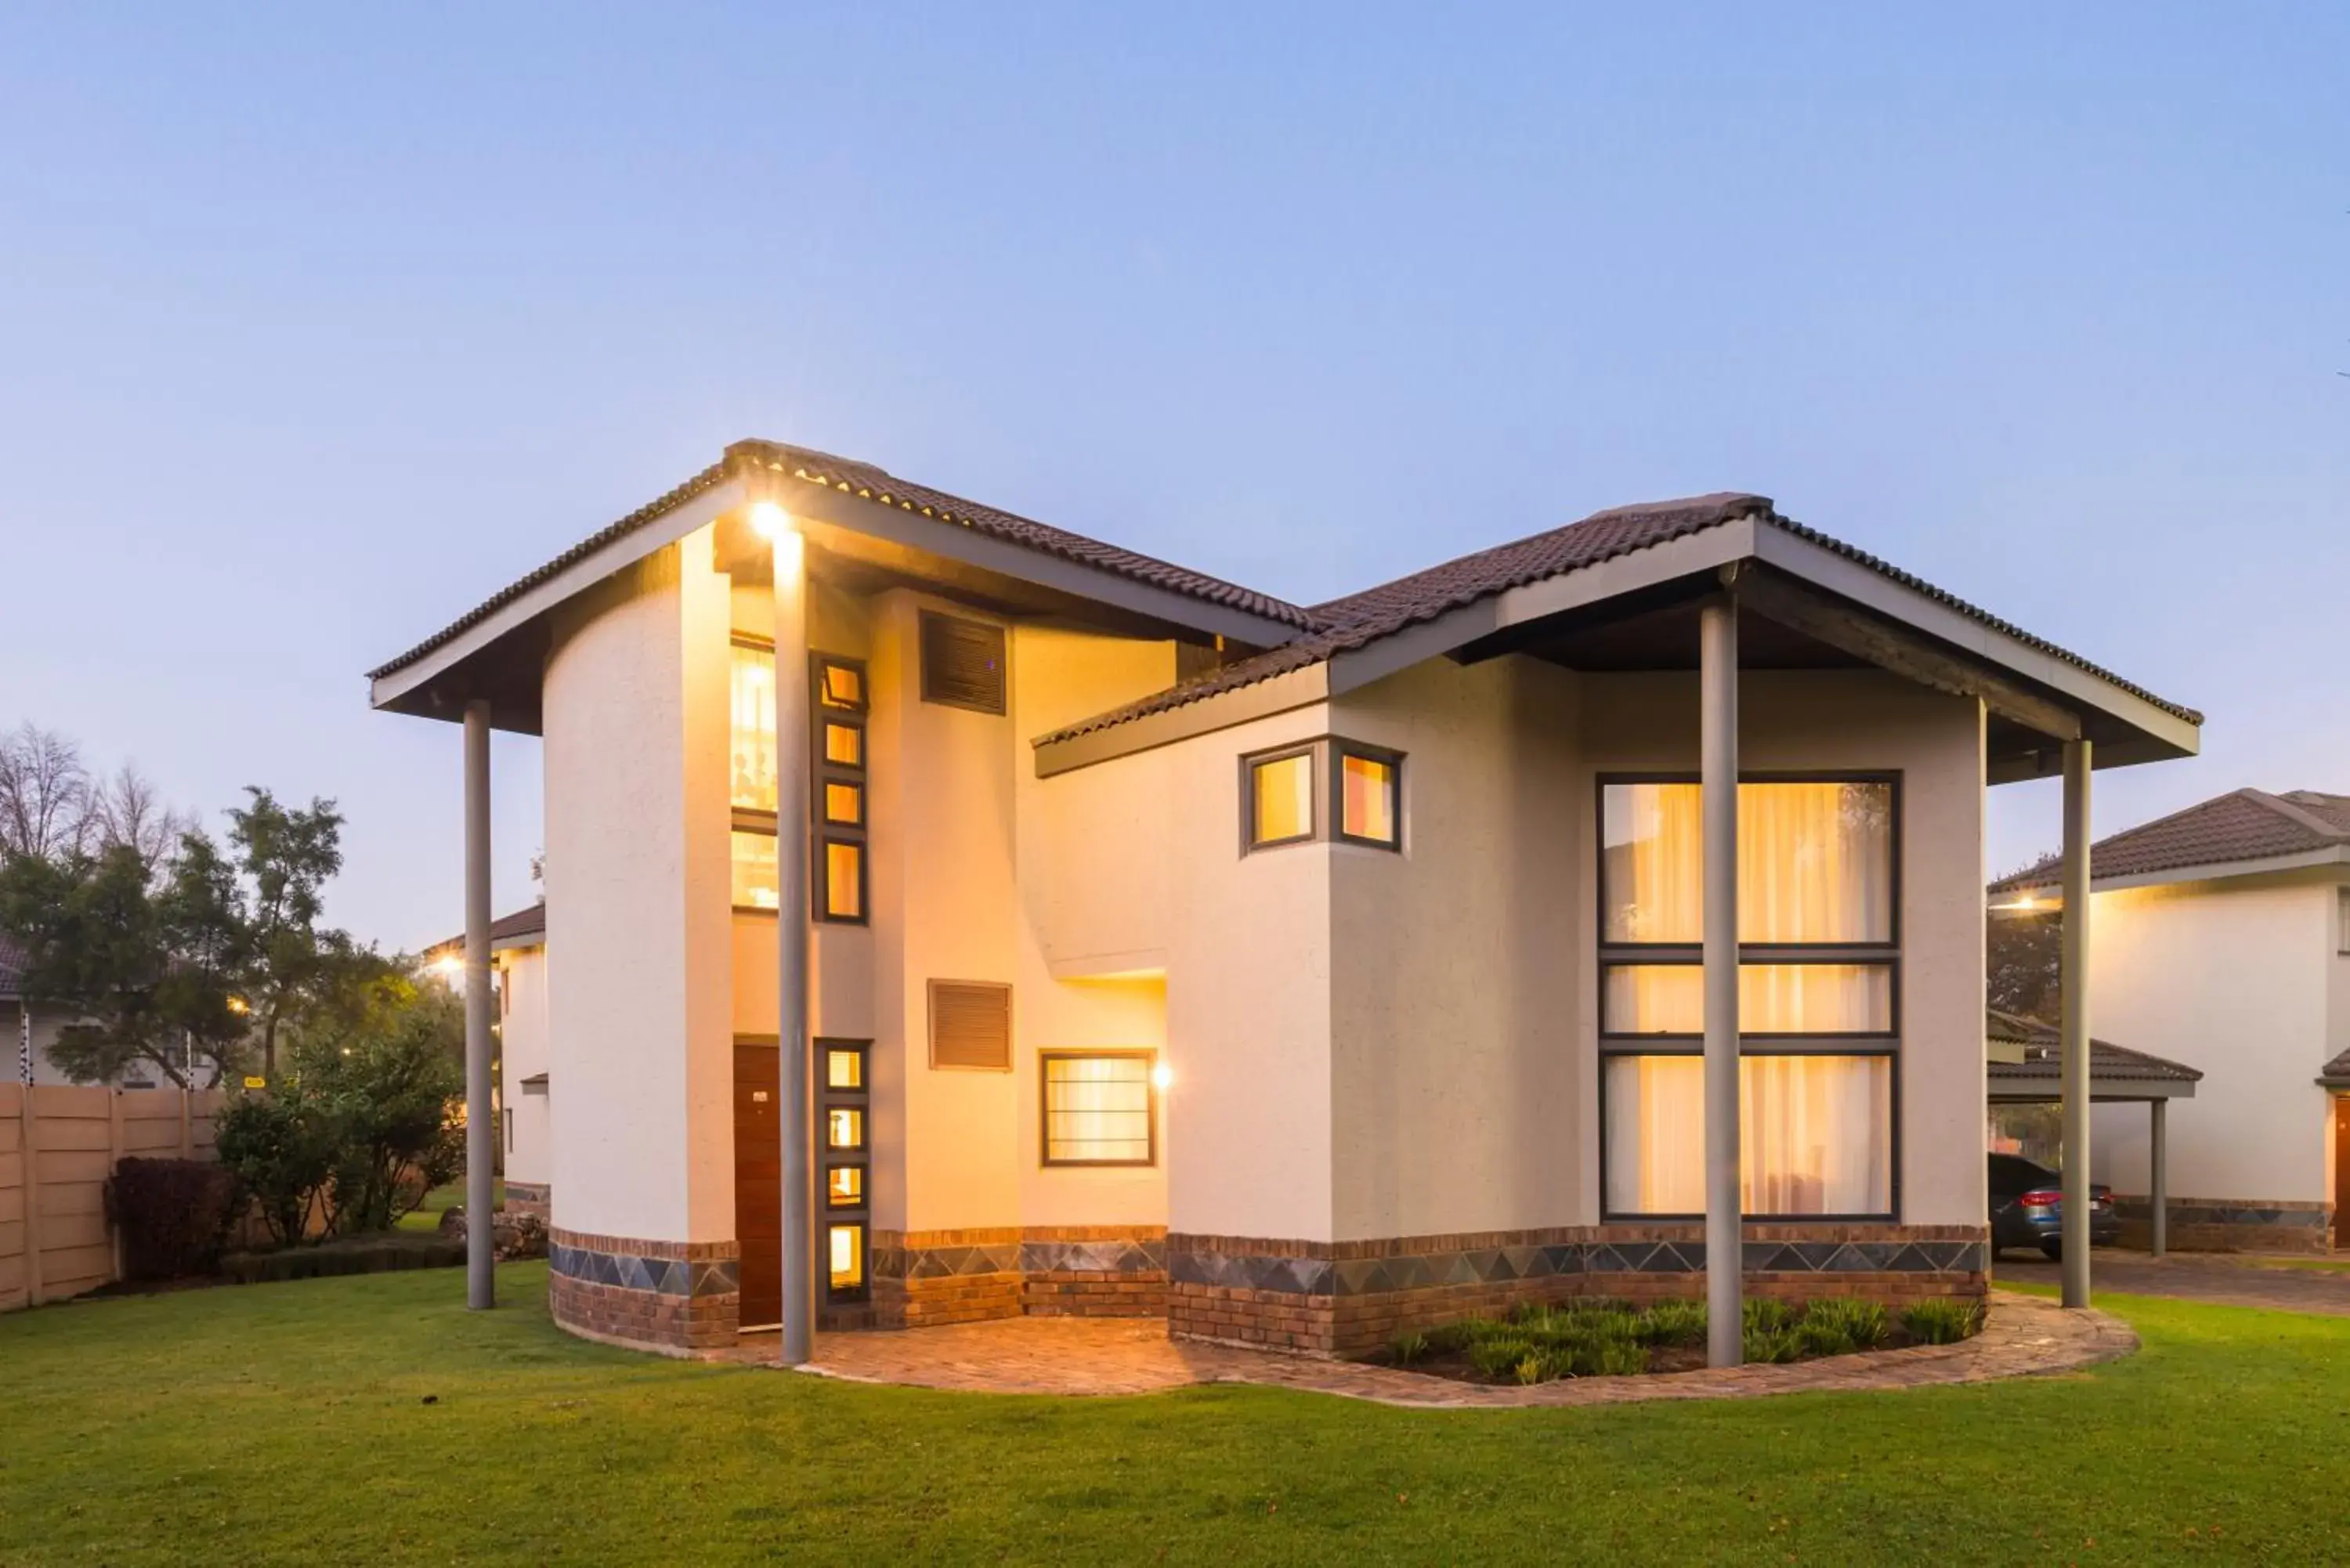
374,1419
426,1216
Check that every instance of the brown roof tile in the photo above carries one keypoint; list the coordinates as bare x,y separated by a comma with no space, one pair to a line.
2041,1059
509,929
2246,824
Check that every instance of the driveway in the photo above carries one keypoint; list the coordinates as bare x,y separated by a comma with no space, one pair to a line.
2227,1278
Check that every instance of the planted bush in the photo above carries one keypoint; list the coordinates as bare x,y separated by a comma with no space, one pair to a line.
1864,1323
1944,1321
172,1215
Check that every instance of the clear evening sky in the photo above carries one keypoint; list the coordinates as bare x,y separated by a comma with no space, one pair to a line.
319,325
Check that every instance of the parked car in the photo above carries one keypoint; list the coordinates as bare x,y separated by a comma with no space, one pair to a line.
2027,1208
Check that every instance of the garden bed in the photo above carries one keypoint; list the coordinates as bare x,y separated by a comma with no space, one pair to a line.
1540,1343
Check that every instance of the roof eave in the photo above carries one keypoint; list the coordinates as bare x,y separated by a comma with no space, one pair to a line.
2203,871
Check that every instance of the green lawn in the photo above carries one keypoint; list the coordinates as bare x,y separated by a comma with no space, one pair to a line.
373,1418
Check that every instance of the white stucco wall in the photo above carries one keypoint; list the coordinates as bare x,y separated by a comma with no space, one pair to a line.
524,1050
639,950
1861,721
2235,978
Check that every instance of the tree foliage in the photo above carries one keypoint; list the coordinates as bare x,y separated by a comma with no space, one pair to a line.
2022,948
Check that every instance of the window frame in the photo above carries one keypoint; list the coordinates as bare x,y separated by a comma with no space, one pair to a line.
822,831
830,1216
820,883
1888,953
1339,751
1147,1055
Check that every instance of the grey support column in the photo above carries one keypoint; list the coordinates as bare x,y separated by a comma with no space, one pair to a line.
798,1341
481,1128
2159,1154
1718,807
2073,984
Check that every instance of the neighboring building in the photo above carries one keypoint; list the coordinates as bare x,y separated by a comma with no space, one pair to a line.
2221,934
31,1028
518,954
1301,974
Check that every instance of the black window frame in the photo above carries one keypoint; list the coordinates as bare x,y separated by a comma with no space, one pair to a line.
1147,1056
1886,1044
828,1158
823,833
1340,749
1326,793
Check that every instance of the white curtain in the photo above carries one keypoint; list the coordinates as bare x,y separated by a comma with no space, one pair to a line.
1815,1134
1772,999
1815,863
751,769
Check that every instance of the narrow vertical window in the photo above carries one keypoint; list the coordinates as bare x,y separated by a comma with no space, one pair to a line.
1280,799
837,798
1369,792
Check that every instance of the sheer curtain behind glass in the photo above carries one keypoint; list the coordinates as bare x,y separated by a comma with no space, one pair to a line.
1815,1134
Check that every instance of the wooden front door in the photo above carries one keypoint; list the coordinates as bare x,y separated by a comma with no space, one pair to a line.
759,1183
2342,1170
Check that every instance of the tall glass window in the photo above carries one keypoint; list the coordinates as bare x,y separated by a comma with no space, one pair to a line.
1818,995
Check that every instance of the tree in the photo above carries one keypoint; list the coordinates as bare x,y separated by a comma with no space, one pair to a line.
286,856
389,1066
45,795
127,809
2022,948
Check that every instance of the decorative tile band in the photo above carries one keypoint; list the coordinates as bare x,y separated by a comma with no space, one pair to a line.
689,1269
1036,1250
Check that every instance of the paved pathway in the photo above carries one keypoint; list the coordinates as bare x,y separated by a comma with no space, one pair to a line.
2225,1278
2024,1335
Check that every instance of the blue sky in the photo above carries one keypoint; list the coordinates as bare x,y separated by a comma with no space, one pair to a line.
318,325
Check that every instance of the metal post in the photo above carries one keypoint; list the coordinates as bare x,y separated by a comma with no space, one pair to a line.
481,1256
798,1341
2159,1140
1717,806
2072,985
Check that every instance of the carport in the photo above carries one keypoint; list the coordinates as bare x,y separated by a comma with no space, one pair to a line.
2026,1067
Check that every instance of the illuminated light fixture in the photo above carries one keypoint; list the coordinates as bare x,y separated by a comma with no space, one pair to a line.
1163,1078
447,966
2026,902
769,521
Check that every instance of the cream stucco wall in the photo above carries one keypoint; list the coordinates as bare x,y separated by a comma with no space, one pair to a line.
639,954
1455,1080
524,1050
1845,720
2234,978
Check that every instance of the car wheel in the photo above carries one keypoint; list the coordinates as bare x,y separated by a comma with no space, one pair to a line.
2055,1250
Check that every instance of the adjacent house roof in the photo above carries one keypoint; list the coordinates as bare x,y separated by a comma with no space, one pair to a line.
526,928
2336,1074
2109,1064
2242,829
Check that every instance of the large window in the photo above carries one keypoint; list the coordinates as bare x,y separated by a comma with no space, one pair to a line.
1818,996
1099,1109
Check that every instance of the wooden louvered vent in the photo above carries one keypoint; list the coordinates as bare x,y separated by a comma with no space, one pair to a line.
963,662
970,1024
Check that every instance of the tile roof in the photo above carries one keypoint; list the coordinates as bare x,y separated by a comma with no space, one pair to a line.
1359,619
2243,825
2041,1061
862,479
506,930
2337,1071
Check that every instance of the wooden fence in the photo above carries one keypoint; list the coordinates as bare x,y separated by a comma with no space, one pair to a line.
58,1146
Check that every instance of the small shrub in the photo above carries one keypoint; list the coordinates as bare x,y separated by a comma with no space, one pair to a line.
1944,1321
1673,1323
171,1214
1822,1337
376,1254
1532,1369
1767,1346
1767,1316
1611,1358
1449,1339
1408,1348
1865,1322
1498,1357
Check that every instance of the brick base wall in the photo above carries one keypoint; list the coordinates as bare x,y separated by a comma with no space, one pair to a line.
925,1278
682,1298
530,1198
2228,1224
1347,1298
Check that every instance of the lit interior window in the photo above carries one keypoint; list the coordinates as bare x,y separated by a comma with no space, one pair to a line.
844,880
844,803
1772,999
755,876
847,1256
844,1128
1367,798
844,744
752,754
1281,796
843,1069
1815,1134
1815,862
843,686
1098,1110
844,1186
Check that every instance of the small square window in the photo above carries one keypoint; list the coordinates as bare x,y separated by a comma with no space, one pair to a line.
844,803
1367,798
844,1128
848,1257
843,1069
840,684
844,743
842,896
755,872
1099,1109
844,1186
1280,799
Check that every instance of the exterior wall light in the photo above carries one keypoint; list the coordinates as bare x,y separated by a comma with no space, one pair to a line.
769,521
1163,1078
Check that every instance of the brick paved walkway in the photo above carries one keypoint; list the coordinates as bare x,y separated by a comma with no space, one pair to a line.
2024,1335
2225,1279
